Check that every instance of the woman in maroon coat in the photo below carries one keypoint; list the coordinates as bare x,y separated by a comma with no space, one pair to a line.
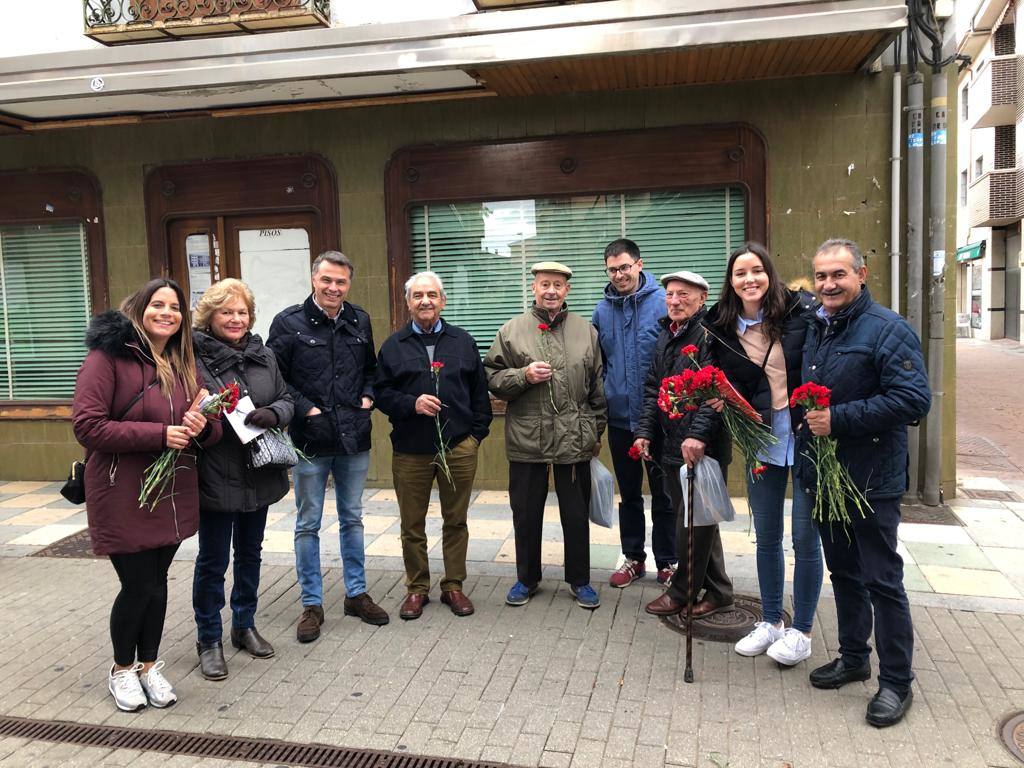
135,395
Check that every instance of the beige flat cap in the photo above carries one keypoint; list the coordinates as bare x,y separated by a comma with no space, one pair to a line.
687,277
551,266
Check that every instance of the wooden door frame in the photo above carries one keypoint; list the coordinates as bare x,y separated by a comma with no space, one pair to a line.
210,188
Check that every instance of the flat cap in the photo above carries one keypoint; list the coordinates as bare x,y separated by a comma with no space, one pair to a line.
687,277
551,266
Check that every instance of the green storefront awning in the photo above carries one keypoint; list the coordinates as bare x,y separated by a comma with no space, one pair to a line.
971,251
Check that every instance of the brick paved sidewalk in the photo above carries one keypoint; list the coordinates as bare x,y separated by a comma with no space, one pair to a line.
544,685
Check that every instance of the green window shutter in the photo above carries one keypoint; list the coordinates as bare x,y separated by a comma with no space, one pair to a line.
483,251
45,308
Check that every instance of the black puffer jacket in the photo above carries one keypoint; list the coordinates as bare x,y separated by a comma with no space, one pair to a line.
703,424
748,375
226,484
330,366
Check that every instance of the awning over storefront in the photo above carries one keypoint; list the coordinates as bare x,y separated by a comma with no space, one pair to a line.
971,251
615,45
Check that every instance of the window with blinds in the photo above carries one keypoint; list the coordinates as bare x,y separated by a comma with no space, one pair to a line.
44,309
483,250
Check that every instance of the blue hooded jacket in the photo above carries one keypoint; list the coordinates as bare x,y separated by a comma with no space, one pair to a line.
627,329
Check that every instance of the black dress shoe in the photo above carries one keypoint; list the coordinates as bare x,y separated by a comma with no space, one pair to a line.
836,674
252,642
887,708
211,660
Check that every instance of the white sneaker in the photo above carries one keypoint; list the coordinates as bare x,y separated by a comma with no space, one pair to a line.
125,687
792,648
159,692
759,640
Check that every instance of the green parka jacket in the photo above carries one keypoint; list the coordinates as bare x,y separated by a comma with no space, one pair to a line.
535,431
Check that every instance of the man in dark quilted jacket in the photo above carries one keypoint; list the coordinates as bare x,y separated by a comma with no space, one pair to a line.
871,360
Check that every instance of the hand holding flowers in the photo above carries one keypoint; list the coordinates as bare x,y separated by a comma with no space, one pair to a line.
834,486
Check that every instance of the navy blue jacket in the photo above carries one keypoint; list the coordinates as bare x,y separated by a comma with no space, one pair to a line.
403,374
330,366
871,360
627,330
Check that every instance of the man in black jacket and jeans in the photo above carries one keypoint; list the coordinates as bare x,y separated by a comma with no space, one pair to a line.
431,383
324,349
686,440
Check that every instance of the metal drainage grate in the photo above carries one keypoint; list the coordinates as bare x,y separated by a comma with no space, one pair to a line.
76,545
727,626
280,753
1012,733
986,495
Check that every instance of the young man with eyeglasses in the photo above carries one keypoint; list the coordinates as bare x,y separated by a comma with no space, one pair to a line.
627,325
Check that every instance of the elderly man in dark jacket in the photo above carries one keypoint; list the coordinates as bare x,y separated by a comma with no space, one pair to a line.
871,360
430,378
686,440
324,347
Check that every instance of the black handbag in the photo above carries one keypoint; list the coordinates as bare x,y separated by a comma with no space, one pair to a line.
74,487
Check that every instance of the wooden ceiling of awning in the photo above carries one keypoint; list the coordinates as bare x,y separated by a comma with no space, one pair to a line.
686,66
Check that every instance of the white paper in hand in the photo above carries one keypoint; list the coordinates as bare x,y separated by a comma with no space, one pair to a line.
246,432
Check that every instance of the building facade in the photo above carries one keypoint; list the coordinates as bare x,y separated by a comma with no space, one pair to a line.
473,144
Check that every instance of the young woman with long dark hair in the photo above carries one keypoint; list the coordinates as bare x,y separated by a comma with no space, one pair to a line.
757,330
136,395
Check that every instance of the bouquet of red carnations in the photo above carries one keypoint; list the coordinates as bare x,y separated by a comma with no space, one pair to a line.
159,474
687,390
834,486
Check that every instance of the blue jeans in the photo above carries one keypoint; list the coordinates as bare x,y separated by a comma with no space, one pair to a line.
310,479
216,530
767,494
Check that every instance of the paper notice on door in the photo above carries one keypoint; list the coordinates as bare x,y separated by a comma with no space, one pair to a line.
275,265
246,432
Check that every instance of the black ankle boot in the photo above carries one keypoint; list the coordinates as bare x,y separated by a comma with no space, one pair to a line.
211,660
252,642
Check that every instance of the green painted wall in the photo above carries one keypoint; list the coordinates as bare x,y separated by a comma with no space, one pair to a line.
815,128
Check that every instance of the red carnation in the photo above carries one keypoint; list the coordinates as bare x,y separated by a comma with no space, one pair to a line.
757,471
634,453
543,327
689,350
437,366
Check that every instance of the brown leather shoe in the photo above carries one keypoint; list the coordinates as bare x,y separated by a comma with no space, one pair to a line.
308,628
412,606
456,600
367,610
664,606
706,608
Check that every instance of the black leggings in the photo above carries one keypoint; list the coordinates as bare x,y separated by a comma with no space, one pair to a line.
137,618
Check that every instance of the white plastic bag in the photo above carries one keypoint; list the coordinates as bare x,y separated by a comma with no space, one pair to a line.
711,502
602,495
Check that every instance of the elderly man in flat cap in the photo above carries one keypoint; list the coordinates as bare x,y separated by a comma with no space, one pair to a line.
686,440
546,363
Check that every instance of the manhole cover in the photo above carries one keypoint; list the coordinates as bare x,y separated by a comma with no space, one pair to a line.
1013,735
919,513
987,495
727,626
76,545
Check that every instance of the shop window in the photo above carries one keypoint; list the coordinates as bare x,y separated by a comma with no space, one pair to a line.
52,279
480,214
483,250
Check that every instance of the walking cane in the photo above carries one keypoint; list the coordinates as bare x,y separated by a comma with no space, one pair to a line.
688,672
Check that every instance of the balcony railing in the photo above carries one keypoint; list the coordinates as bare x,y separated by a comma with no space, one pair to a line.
992,198
992,99
132,21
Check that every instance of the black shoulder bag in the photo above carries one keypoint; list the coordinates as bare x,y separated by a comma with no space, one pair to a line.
74,488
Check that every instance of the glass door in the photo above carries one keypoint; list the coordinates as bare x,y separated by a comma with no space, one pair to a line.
270,252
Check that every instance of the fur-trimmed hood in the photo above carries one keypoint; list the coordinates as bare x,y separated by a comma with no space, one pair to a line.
112,332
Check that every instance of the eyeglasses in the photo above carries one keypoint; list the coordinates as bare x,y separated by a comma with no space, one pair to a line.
613,271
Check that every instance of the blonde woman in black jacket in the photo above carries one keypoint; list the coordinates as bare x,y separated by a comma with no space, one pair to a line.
233,498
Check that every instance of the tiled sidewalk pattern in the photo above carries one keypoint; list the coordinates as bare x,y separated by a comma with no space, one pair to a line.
984,558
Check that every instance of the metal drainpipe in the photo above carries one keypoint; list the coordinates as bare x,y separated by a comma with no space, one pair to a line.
894,203
915,221
932,495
